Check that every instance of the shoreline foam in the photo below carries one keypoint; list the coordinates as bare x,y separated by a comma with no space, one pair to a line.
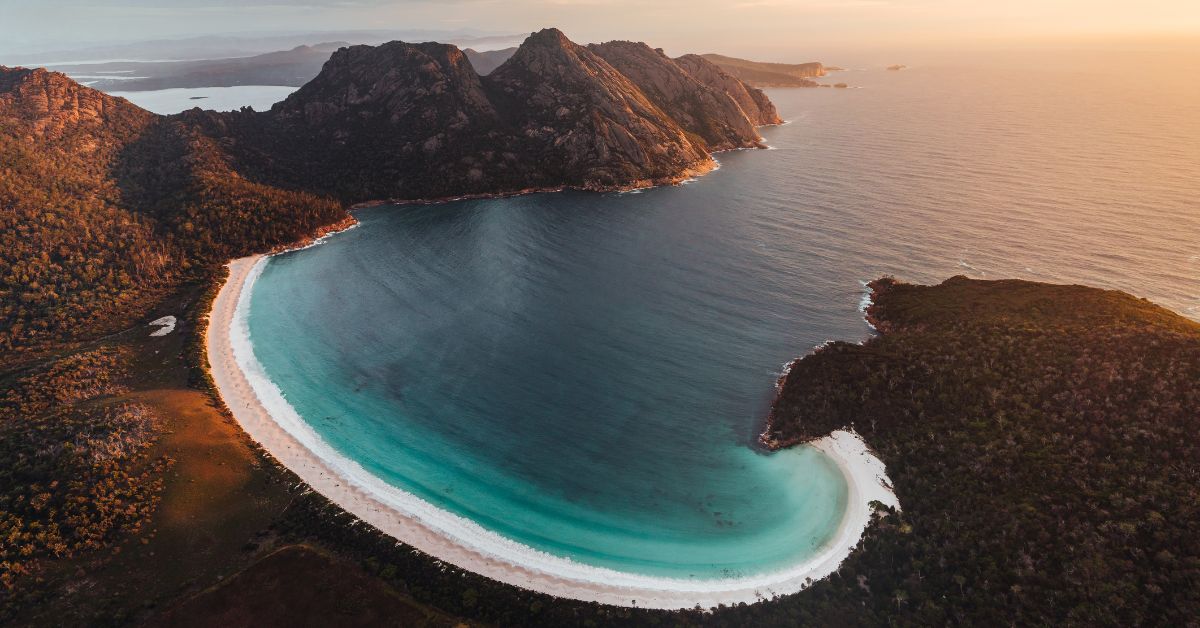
261,410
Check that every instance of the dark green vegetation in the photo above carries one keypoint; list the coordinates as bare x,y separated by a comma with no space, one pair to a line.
1042,441
76,470
105,208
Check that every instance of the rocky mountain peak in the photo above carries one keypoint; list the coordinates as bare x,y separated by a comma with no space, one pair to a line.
50,103
550,37
588,118
396,81
707,111
752,100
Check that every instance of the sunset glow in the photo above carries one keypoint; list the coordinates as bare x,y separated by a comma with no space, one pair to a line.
743,26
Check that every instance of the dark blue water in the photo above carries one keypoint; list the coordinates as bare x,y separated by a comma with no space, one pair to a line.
586,373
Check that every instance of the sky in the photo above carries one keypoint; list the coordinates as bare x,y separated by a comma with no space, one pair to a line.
772,28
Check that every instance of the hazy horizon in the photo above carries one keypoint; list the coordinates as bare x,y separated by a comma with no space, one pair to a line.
785,30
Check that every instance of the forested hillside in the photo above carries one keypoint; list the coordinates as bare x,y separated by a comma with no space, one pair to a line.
1042,441
107,206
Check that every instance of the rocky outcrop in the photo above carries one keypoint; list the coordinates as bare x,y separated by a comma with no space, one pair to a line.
757,107
589,124
391,84
707,111
397,120
48,104
416,121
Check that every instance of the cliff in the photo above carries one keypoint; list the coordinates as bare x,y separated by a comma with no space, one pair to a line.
589,124
707,111
46,105
754,103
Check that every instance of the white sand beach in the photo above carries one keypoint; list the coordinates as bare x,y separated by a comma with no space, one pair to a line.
264,414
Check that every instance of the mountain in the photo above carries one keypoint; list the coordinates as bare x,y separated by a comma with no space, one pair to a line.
754,103
486,61
592,125
106,205
762,74
109,207
416,121
704,110
293,67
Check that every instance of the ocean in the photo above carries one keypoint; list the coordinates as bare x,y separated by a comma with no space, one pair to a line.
586,374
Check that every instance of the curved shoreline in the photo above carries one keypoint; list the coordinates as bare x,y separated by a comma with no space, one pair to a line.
262,412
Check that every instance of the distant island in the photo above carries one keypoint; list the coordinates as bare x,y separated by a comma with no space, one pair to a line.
897,67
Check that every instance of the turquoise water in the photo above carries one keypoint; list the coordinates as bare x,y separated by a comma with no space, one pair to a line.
552,370
586,373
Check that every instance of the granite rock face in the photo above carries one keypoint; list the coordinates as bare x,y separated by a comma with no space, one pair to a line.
589,123
48,105
707,111
757,107
404,121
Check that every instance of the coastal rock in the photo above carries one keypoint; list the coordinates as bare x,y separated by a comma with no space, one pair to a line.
754,103
587,123
710,112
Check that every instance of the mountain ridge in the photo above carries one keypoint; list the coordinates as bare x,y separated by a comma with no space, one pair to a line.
132,203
